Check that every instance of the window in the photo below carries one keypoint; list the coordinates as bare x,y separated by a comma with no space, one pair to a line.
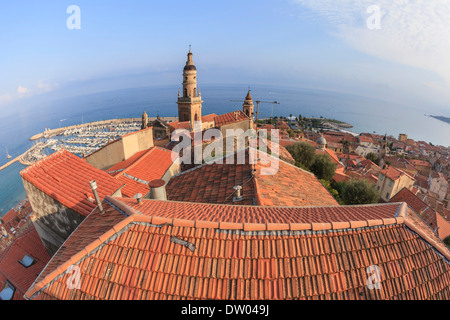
27,261
8,292
381,177
391,183
387,195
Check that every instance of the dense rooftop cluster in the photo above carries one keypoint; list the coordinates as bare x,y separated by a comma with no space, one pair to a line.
135,224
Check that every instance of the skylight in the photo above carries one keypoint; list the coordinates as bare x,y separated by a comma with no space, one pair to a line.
27,261
7,293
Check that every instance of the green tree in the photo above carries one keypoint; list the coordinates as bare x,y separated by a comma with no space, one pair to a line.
329,187
303,153
357,191
372,157
447,241
323,167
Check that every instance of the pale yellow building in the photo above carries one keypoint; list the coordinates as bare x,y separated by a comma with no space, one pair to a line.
391,181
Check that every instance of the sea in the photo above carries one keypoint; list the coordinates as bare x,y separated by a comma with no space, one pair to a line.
364,114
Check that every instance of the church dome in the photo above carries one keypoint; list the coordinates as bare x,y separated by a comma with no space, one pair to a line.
190,68
249,97
322,141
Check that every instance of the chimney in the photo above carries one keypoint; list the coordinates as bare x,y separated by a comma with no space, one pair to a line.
93,184
238,196
158,190
138,198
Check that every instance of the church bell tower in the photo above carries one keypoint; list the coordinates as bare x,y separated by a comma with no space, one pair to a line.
248,106
190,100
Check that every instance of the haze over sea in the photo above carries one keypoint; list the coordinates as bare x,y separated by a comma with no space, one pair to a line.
365,114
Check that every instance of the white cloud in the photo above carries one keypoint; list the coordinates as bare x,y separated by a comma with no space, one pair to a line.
414,33
43,86
22,90
5,98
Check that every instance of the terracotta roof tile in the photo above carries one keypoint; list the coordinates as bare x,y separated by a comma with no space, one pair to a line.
65,177
19,276
394,173
405,195
262,214
119,167
420,163
151,165
228,118
214,183
176,125
443,225
209,117
191,263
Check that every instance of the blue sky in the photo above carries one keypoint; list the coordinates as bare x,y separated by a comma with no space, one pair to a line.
299,43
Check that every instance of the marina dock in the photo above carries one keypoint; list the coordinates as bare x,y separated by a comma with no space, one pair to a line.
81,139
6,165
54,132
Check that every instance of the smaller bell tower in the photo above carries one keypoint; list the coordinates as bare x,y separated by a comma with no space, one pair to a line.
144,124
248,106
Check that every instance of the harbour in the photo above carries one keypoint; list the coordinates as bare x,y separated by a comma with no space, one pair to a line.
81,139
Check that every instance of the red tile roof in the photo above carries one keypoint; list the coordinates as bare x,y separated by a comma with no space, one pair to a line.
186,125
232,117
10,215
119,167
213,183
268,127
289,186
340,177
151,165
209,117
366,139
421,163
282,125
415,203
162,254
394,173
331,154
65,177
443,225
11,270
273,217
176,125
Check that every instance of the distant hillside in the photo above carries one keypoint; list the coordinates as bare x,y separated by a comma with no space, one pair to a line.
445,119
